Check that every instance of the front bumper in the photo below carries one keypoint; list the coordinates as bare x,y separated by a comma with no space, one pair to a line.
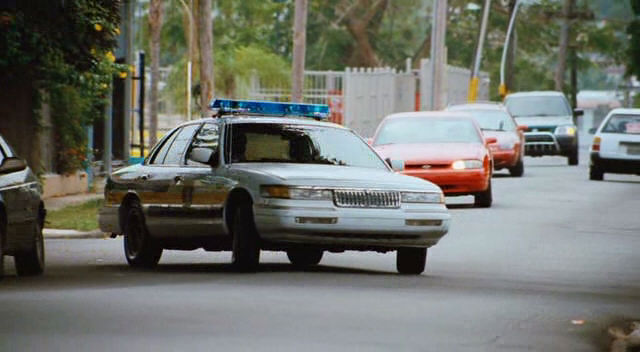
454,182
326,225
547,143
618,166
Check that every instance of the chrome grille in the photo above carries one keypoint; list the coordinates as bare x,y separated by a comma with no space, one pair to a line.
366,199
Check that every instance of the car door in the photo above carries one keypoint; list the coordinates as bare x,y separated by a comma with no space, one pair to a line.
204,189
160,186
18,193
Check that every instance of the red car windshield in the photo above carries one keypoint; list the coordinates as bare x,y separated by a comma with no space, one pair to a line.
427,130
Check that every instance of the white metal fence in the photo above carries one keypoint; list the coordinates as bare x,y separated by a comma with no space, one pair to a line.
360,98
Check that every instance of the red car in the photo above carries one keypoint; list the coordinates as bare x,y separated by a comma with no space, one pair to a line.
446,148
495,121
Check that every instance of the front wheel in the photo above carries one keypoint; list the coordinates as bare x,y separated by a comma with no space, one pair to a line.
517,170
573,157
304,257
411,260
31,262
484,198
140,249
246,242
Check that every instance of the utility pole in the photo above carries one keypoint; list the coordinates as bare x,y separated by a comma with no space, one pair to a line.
438,54
567,13
155,24
473,85
187,9
508,52
205,25
299,47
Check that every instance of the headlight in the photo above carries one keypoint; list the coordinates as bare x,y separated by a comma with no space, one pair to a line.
566,130
422,197
467,164
289,192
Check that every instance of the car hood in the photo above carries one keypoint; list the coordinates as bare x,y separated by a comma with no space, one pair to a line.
424,153
541,121
331,176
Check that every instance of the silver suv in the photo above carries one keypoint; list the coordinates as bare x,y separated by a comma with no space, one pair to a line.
265,176
550,123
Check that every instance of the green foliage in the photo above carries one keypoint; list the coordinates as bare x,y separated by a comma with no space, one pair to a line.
633,63
65,48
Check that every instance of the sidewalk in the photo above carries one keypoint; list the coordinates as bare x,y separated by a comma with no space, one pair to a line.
56,203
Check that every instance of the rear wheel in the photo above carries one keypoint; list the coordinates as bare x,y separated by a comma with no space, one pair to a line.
596,173
573,157
246,242
1,250
304,257
517,170
140,249
31,263
411,260
484,199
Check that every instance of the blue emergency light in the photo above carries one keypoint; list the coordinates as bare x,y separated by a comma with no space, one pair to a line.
269,108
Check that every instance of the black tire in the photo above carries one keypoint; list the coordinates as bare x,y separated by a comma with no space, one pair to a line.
31,263
484,199
573,157
140,249
596,173
411,260
246,242
304,257
1,250
517,170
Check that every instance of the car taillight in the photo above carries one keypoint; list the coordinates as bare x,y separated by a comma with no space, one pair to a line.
596,144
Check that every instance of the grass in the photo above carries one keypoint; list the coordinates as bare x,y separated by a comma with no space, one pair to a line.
82,217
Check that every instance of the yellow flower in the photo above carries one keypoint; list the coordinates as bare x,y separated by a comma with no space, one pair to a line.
98,27
104,86
110,56
92,51
132,68
116,31
123,74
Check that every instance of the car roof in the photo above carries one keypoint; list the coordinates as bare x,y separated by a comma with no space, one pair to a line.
264,119
538,93
431,114
625,111
488,105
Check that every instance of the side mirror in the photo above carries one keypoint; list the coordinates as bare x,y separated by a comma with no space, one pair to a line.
491,140
10,165
396,165
202,155
578,112
593,130
523,128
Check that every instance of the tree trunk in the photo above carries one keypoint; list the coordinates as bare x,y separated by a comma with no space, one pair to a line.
155,27
299,47
205,36
567,9
363,54
361,18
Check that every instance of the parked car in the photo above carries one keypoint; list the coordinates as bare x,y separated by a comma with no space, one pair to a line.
495,121
446,148
616,145
550,123
265,176
22,214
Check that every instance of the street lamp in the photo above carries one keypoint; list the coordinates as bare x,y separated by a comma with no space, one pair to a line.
503,89
187,8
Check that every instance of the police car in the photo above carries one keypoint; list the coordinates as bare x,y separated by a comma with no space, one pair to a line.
271,176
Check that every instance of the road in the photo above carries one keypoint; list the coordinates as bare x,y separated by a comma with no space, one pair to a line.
554,248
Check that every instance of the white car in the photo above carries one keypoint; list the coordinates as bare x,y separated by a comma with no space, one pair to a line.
616,145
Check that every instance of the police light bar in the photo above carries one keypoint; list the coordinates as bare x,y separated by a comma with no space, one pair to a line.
269,108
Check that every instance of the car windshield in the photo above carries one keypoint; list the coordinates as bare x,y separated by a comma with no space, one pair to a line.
538,106
627,124
493,120
299,144
406,130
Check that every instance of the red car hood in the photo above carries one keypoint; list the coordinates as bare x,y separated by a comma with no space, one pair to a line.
431,152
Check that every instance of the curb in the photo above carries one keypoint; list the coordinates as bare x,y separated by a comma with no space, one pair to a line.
72,234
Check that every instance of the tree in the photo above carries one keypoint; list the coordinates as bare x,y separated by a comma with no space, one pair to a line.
155,27
362,20
205,38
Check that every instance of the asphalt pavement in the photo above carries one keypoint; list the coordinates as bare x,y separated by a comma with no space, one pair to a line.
548,267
